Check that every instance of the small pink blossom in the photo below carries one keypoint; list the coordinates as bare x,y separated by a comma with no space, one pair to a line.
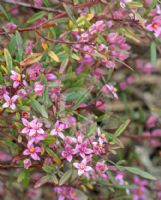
34,71
16,78
3,91
82,167
21,93
11,27
65,193
101,167
108,88
155,26
10,102
27,163
32,151
39,88
59,128
68,153
29,48
102,137
151,121
82,149
38,3
50,77
101,105
36,127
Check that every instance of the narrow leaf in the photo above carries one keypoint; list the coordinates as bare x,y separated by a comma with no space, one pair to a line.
54,56
121,128
19,43
39,108
153,53
65,177
35,17
140,172
8,59
35,57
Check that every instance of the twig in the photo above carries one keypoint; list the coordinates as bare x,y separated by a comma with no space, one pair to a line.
32,6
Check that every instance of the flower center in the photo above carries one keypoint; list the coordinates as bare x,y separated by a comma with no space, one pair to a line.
32,149
59,129
19,77
82,167
155,25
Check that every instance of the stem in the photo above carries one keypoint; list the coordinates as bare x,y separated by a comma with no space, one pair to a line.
31,6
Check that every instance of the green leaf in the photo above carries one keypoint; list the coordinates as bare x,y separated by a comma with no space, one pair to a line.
42,181
54,156
4,12
1,78
69,12
135,4
153,5
140,172
53,55
103,117
121,128
153,53
19,43
39,108
12,44
81,98
54,179
35,17
65,177
8,59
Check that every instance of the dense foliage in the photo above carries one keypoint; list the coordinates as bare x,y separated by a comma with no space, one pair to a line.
71,111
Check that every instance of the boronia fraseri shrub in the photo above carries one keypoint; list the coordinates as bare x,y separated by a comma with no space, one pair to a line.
64,68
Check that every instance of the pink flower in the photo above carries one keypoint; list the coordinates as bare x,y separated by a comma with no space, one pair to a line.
82,149
96,28
101,105
50,77
151,121
140,192
2,91
101,167
36,127
11,27
155,26
10,102
108,88
123,85
34,130
38,3
27,163
21,93
34,71
120,178
82,167
66,193
16,78
29,48
39,88
27,128
32,151
98,148
68,153
59,128
102,137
